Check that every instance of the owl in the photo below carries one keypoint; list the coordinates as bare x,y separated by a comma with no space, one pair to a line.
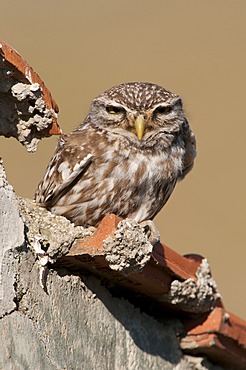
125,158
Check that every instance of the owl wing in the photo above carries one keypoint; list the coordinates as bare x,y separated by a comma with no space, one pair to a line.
190,150
70,159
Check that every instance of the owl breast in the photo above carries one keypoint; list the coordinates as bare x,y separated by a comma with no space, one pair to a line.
126,183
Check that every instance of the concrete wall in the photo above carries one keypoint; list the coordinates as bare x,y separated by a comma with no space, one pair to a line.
72,321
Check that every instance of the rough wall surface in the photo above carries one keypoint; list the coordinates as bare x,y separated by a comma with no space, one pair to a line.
75,323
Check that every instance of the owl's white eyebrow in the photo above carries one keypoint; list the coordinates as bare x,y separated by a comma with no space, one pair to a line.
163,105
115,104
110,103
169,103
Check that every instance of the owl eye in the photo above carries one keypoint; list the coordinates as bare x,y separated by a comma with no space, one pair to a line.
111,109
163,109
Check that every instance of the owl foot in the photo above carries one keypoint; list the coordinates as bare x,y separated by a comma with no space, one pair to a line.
150,231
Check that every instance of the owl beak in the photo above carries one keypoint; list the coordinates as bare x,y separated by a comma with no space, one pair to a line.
140,126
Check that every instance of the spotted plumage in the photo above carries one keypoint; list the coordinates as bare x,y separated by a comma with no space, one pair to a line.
125,158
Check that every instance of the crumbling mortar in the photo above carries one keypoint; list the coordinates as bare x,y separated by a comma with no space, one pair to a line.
199,296
47,234
24,113
129,250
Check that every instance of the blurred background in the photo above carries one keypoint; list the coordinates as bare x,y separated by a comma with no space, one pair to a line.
193,48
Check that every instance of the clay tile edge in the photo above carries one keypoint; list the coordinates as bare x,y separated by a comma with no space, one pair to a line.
29,76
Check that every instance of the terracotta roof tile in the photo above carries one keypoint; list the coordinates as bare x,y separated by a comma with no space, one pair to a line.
14,69
208,328
220,335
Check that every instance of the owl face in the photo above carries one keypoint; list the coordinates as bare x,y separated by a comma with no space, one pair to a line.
138,110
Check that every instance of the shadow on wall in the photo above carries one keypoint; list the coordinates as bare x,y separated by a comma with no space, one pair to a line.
149,335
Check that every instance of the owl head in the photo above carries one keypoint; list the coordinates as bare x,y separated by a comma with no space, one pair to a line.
140,111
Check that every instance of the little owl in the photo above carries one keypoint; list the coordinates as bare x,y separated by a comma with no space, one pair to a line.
125,158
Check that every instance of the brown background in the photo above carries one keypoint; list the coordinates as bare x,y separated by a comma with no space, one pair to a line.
194,48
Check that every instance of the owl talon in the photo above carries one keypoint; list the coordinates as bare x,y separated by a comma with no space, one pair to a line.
150,231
